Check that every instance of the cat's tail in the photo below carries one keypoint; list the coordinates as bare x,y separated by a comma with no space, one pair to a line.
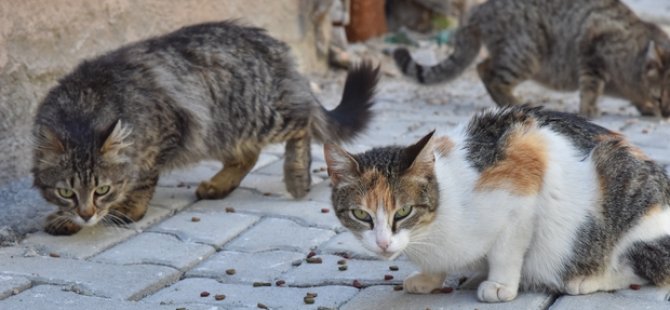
353,113
467,44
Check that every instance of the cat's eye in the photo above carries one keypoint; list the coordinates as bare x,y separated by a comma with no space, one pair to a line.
403,212
361,215
101,190
65,193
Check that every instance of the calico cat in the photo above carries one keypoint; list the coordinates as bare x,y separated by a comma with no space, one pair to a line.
541,199
597,47
211,91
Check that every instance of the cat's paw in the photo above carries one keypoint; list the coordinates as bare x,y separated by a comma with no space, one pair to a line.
60,225
490,291
298,186
589,111
582,285
210,190
422,283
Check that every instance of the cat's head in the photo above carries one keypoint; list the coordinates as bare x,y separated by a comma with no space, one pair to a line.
385,196
656,78
80,170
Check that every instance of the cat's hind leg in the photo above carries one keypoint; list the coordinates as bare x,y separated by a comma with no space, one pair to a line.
500,76
651,260
423,283
297,161
235,168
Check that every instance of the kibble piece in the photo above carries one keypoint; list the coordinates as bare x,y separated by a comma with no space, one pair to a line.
341,262
388,277
393,268
257,284
357,284
325,210
230,210
296,263
267,194
342,268
204,294
280,282
262,306
219,297
635,287
195,219
311,294
53,254
314,260
230,271
398,287
308,300
311,254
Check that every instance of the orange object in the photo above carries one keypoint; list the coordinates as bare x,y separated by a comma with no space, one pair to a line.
367,20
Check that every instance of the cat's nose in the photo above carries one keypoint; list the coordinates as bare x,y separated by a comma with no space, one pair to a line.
383,244
86,215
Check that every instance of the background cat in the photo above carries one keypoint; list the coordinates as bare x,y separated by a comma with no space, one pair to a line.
596,47
217,90
538,198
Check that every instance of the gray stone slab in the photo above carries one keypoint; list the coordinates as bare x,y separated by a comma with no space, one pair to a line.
279,234
384,297
321,192
346,242
270,184
154,215
368,272
607,301
305,212
90,278
647,292
317,168
12,285
249,267
173,198
248,297
50,297
215,228
156,249
84,244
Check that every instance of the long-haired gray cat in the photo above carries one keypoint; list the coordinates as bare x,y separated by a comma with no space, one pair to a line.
594,46
540,199
210,91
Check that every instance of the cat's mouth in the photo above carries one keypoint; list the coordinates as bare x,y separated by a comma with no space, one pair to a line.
389,255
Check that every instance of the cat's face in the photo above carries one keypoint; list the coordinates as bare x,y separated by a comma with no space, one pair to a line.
386,196
657,78
84,179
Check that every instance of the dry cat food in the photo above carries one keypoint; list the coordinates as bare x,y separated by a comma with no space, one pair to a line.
230,210
398,287
262,306
280,282
394,268
310,294
388,277
219,297
231,271
325,210
342,267
341,262
195,219
311,254
634,287
357,284
204,294
257,284
314,260
54,254
308,300
296,263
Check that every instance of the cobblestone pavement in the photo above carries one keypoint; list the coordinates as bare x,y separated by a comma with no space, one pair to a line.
249,250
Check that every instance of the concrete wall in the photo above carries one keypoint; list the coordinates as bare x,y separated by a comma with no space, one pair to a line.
42,40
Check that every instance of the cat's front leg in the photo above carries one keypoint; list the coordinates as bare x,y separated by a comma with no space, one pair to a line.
591,85
133,208
235,168
505,262
59,224
423,283
296,166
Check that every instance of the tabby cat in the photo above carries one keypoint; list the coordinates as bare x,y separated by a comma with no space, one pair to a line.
543,200
595,46
211,91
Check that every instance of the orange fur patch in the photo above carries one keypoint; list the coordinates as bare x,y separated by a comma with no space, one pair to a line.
623,142
522,170
653,210
443,145
379,193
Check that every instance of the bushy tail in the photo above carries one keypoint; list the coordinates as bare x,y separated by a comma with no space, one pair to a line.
466,47
353,113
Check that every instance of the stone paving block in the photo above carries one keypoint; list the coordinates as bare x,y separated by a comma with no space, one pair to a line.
247,297
154,215
215,228
305,212
384,297
173,198
51,297
84,244
321,192
156,249
90,278
204,170
317,168
11,285
607,301
249,267
368,272
270,184
279,234
647,292
346,242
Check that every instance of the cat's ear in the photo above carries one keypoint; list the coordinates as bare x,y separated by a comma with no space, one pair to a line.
342,167
654,61
115,139
48,141
418,158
